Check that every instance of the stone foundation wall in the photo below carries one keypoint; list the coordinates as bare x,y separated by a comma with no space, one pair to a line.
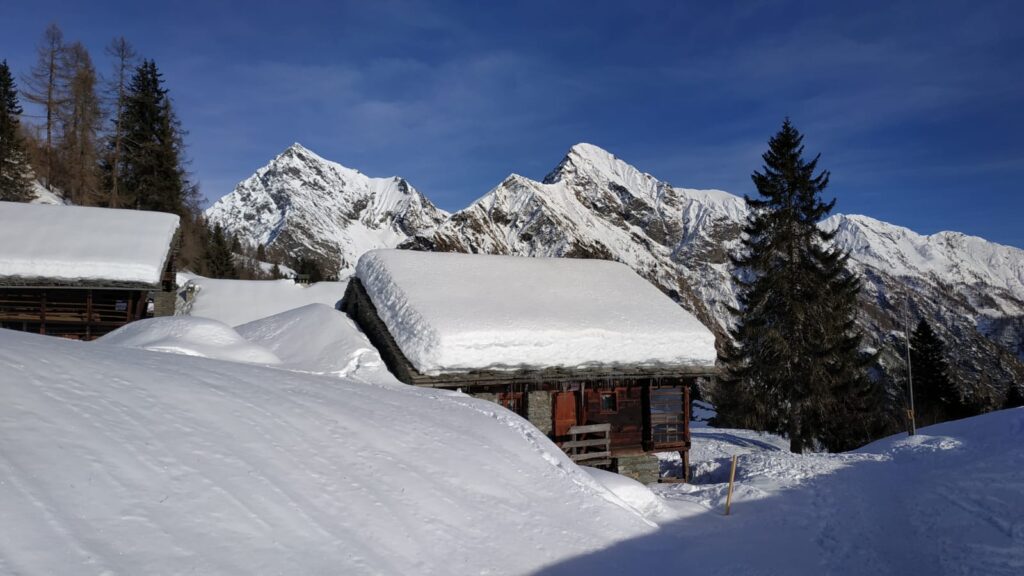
538,408
643,468
163,303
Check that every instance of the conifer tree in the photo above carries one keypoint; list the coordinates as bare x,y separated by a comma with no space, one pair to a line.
936,397
220,262
1014,396
796,366
152,174
15,173
309,268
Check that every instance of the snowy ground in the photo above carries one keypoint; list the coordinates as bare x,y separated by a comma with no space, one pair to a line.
947,501
122,460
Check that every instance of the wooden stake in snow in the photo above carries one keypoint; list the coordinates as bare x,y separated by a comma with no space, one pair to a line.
732,479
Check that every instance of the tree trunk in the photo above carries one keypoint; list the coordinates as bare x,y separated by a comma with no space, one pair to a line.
796,437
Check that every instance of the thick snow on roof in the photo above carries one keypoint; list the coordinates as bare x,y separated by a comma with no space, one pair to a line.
73,243
459,312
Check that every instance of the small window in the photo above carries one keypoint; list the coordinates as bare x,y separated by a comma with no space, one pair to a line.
609,403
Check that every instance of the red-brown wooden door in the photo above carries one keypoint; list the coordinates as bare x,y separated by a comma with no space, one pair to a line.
565,413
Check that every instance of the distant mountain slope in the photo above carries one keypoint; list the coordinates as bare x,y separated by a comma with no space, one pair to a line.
309,206
594,205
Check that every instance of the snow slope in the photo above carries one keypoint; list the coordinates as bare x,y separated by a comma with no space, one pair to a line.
318,339
235,302
309,206
71,243
132,462
452,312
949,501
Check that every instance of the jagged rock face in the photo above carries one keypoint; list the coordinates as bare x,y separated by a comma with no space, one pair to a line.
308,206
595,205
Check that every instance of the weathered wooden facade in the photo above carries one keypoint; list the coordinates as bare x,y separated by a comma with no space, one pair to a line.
83,311
106,296
614,416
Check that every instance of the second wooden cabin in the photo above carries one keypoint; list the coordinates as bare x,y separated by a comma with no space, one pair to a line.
592,354
80,272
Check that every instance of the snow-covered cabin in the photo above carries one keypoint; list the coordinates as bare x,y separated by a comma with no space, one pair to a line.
587,350
81,272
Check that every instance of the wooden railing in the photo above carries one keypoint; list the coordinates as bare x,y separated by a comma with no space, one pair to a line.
589,445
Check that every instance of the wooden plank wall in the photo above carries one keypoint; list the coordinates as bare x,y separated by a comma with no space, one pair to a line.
78,313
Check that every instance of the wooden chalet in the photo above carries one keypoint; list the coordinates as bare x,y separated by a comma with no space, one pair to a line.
80,272
614,415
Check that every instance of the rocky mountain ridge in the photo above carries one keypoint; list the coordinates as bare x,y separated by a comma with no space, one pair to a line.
305,205
595,205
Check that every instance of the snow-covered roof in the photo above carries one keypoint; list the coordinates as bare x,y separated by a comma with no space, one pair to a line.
461,312
67,244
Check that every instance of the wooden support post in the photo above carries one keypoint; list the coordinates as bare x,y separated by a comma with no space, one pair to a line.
732,479
88,315
42,313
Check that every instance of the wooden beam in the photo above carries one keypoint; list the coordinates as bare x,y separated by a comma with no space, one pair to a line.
590,429
584,443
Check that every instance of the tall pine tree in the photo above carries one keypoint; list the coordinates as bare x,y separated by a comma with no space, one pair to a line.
796,366
15,174
936,396
151,171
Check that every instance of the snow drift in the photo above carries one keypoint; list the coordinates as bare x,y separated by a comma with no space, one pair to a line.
122,461
318,339
191,337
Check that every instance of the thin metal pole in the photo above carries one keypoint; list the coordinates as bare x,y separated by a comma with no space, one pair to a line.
910,372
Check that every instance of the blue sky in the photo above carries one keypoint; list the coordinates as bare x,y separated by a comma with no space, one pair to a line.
916,107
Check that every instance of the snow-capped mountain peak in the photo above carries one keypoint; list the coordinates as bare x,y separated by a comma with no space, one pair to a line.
306,205
588,164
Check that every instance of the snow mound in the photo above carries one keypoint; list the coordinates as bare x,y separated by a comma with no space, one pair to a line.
74,243
456,312
191,337
235,302
120,461
634,494
318,339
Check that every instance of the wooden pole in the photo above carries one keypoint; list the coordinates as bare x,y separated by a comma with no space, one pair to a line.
732,479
